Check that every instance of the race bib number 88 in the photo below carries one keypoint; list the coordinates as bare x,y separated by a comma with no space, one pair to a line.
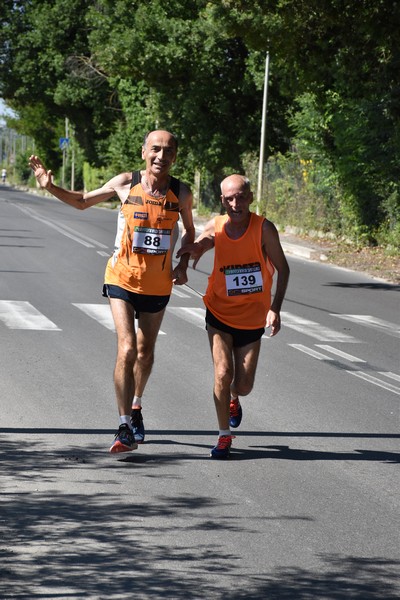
247,280
151,241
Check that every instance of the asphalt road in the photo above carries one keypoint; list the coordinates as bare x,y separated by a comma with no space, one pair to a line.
306,508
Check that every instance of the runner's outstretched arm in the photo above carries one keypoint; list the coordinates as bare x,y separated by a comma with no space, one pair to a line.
204,242
78,200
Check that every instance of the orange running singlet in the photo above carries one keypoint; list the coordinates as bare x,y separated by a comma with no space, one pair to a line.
142,261
239,288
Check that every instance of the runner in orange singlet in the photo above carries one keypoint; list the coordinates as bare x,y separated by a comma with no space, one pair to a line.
139,275
238,298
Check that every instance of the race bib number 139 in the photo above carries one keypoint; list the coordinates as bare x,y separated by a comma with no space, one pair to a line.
247,280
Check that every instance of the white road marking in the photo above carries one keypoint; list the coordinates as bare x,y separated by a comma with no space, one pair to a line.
376,381
100,313
192,291
361,374
315,330
340,353
89,239
17,314
63,229
390,375
195,316
185,291
370,321
310,351
179,293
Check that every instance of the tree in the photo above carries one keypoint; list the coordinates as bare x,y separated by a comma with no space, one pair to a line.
117,69
347,54
46,75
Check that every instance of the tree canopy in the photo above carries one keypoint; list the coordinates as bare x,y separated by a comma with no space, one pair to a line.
117,69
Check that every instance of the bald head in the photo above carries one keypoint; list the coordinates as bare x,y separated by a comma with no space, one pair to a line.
234,184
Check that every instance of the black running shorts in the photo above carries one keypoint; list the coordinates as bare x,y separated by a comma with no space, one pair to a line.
241,337
140,302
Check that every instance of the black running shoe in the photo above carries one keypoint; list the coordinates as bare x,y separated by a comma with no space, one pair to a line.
124,440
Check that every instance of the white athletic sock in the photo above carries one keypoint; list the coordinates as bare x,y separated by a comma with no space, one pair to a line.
137,402
224,432
125,420
233,396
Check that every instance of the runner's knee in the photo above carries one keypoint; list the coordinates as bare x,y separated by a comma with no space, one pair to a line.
244,387
127,351
145,356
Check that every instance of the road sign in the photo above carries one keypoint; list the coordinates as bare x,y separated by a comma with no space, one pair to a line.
64,143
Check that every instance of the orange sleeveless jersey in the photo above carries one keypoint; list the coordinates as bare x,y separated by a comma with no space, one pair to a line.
239,288
142,261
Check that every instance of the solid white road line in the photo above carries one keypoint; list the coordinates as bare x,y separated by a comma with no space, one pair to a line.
63,229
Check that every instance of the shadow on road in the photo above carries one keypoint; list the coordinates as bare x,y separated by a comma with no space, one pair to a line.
58,544
76,546
390,287
31,456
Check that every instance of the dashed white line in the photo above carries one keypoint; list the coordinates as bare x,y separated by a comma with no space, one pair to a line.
390,375
370,321
100,313
376,381
18,314
195,316
310,351
179,293
340,353
315,330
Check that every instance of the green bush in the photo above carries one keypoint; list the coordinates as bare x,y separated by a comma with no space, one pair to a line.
302,193
22,170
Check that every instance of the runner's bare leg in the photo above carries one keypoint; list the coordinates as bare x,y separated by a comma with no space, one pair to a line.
148,327
124,320
221,350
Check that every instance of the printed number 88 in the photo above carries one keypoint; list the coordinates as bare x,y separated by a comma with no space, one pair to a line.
152,241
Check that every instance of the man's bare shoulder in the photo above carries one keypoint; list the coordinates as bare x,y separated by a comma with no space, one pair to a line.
185,193
269,227
120,180
118,185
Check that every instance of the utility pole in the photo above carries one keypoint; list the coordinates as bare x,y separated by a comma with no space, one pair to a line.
262,141
72,160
